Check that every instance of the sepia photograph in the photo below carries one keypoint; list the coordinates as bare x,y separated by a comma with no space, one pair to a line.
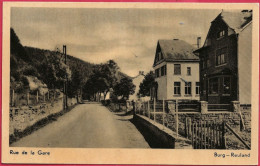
131,78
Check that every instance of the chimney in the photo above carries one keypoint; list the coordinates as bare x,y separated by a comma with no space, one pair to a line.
247,13
198,41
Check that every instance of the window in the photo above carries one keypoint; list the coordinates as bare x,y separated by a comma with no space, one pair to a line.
213,85
221,56
226,85
157,73
163,70
177,88
188,88
188,71
177,69
221,34
197,88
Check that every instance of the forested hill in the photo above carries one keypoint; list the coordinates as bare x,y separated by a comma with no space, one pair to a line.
46,67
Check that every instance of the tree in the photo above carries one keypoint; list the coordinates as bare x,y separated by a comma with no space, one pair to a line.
109,74
124,88
55,72
16,47
103,78
146,85
96,84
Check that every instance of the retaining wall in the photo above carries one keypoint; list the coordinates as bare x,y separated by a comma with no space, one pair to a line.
158,136
231,118
25,116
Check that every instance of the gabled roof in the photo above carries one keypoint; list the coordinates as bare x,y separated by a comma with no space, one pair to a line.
176,50
236,19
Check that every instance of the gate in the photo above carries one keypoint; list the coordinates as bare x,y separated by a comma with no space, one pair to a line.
206,134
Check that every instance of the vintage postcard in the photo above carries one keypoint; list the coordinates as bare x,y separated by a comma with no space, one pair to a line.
130,83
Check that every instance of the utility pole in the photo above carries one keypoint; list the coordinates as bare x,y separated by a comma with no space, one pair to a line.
66,81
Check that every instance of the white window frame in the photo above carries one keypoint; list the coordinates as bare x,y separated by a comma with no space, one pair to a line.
177,87
188,87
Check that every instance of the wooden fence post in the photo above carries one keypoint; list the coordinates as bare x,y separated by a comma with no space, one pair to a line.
208,134
195,137
177,119
189,123
163,113
223,135
192,135
154,104
200,134
186,127
217,135
205,135
148,110
214,133
211,134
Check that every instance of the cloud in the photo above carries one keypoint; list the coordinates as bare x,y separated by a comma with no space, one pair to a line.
97,35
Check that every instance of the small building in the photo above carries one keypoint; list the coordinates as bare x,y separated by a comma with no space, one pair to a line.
176,70
226,58
136,81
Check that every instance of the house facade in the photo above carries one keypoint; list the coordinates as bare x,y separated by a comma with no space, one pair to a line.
136,81
225,59
176,70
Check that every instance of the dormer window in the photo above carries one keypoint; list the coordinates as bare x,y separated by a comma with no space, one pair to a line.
221,34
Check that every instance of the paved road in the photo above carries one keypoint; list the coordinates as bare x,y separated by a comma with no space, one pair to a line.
87,126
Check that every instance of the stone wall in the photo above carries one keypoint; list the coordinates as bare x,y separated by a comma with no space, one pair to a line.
231,118
25,116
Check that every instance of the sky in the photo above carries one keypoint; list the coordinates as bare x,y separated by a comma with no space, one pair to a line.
127,35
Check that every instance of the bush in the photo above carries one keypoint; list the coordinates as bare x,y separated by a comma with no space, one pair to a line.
105,102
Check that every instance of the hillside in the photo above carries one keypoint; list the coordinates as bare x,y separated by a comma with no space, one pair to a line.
46,69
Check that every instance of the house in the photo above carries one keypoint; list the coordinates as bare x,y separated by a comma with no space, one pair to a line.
136,81
226,57
176,71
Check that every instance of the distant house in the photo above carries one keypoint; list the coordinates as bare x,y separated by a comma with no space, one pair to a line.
226,57
136,81
176,71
